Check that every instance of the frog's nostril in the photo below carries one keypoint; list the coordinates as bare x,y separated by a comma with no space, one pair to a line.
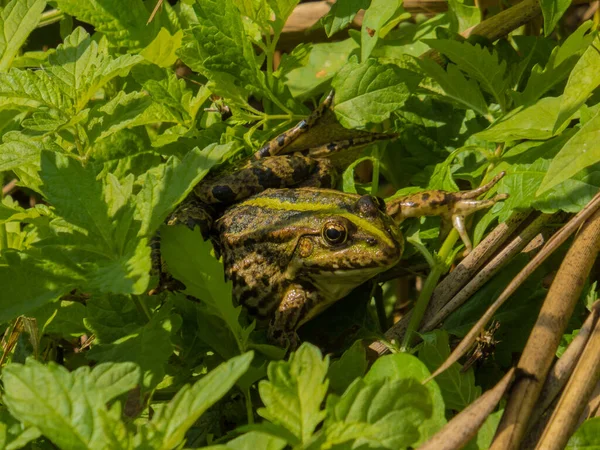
371,241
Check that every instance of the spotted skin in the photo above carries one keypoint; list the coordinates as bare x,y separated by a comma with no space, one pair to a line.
269,217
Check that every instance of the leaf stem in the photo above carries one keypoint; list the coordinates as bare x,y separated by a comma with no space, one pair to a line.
3,233
50,17
249,411
438,269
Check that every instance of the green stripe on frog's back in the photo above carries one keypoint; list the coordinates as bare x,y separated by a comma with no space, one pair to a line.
313,202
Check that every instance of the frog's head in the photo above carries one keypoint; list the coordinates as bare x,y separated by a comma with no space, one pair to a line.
345,244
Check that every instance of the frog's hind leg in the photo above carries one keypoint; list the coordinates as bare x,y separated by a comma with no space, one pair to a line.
275,146
452,207
325,150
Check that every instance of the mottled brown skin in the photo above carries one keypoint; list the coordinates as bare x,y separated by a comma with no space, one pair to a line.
291,246
283,265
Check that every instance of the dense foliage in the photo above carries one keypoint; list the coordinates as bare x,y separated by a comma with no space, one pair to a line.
107,132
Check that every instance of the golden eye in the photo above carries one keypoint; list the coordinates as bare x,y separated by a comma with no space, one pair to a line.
334,233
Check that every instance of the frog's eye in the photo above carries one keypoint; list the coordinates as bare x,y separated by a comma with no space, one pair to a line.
334,233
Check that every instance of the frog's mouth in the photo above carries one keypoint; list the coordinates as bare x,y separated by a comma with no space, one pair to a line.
335,284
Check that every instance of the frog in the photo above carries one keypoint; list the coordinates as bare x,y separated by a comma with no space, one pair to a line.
291,244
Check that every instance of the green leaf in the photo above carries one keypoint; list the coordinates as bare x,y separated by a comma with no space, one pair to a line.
534,122
122,26
80,69
282,10
168,184
295,391
351,365
465,16
149,347
479,63
65,319
76,195
168,426
342,14
529,163
369,92
31,282
582,82
309,67
13,434
27,89
218,48
18,150
465,92
560,64
458,388
379,19
68,408
18,19
581,151
162,50
386,413
553,10
251,441
113,379
402,366
586,437
190,260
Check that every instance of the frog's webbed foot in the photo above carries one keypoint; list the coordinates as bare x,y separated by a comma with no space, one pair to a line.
193,213
452,207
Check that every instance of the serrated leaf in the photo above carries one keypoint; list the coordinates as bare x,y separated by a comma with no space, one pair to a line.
18,19
342,14
168,184
162,50
386,413
148,346
534,122
66,407
553,10
560,64
113,379
581,151
250,441
379,19
76,195
189,259
402,366
458,388
529,163
582,82
19,151
31,282
125,111
351,365
369,92
80,69
320,62
168,426
218,48
455,86
282,10
29,89
123,27
295,391
465,16
483,65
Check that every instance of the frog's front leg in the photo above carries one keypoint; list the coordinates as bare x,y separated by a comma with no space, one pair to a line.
292,312
452,207
192,213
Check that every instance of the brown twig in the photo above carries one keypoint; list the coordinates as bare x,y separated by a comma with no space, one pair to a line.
546,334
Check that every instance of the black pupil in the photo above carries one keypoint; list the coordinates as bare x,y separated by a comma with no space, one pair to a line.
333,234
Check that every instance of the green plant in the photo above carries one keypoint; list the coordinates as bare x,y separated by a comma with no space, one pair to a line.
106,137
